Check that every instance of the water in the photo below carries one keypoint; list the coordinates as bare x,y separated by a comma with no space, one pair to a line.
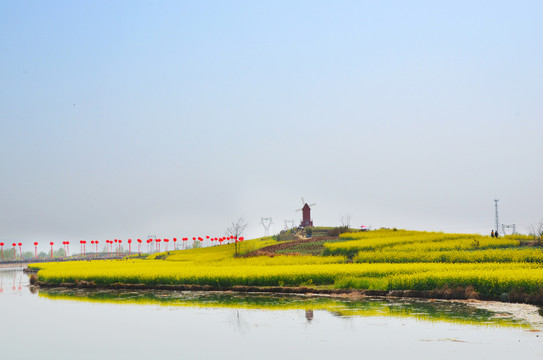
68,324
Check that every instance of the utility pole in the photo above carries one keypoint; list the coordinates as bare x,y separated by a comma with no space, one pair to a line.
266,223
497,218
289,224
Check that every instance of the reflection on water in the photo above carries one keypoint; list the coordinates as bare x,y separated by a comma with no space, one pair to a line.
191,325
433,311
12,280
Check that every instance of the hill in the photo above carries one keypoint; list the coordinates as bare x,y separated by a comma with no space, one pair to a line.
383,262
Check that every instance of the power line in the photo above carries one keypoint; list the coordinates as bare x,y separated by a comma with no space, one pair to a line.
266,222
497,218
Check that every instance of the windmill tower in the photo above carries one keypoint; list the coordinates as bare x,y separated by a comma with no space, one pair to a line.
306,214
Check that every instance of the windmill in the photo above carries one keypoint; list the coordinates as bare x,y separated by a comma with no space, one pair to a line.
306,214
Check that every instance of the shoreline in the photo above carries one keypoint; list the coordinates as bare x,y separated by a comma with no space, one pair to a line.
462,294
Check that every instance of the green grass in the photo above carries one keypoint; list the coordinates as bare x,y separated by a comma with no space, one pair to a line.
315,248
368,283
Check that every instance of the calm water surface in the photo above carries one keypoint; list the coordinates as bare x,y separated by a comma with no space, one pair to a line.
68,324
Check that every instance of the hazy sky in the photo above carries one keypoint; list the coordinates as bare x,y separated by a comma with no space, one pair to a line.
122,119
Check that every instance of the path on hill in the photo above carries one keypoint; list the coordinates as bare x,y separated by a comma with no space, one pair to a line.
273,250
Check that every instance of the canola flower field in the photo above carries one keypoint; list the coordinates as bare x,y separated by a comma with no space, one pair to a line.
381,259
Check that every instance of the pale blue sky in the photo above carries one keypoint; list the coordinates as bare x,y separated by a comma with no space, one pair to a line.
122,119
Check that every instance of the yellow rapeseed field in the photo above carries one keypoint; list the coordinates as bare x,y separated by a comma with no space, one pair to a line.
384,260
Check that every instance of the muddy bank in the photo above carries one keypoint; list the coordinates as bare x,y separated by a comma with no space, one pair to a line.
445,293
13,265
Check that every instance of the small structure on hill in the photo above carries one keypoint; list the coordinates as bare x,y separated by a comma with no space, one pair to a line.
306,214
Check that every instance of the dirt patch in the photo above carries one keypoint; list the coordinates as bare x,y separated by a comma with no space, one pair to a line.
272,250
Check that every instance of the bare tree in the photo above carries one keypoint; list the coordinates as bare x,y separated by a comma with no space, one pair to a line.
345,220
236,229
536,230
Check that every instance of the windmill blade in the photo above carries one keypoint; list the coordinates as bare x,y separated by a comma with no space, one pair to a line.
310,205
303,201
299,209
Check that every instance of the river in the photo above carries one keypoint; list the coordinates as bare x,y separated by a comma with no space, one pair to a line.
76,324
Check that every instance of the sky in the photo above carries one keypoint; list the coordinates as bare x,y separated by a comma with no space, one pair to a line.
175,118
